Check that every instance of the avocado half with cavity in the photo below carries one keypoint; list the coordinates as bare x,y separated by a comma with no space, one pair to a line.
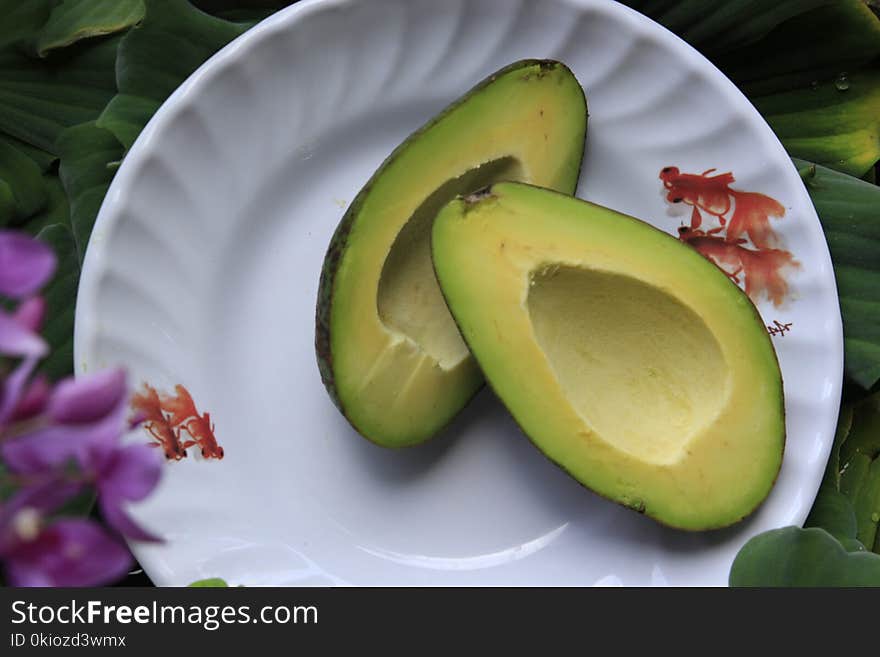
628,358
389,353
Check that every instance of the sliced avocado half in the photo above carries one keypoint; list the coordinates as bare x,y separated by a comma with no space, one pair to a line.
389,353
629,359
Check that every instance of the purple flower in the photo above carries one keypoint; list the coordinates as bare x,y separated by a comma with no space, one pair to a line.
26,264
65,553
126,474
33,399
16,339
13,387
31,313
88,399
87,418
85,413
68,552
60,442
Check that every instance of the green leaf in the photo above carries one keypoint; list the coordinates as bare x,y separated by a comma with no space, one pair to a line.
847,208
56,210
814,46
853,475
832,469
86,152
736,23
252,16
125,116
802,557
864,437
79,505
24,179
866,505
60,297
43,159
22,19
832,124
212,582
40,98
155,57
8,206
833,512
73,20
788,56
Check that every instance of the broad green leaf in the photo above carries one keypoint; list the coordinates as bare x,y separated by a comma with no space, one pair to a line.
788,57
835,123
43,159
22,19
847,208
245,15
738,35
125,116
792,56
24,179
7,201
60,297
156,56
73,20
40,98
704,24
853,476
866,505
56,210
792,556
79,505
833,512
86,152
864,437
832,470
852,545
52,225
738,23
211,582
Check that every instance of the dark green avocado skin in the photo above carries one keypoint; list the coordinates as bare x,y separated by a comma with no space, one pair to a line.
340,242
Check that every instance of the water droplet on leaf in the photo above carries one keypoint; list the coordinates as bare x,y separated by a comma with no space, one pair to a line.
842,82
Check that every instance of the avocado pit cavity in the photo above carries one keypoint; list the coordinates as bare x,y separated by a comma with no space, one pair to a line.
641,368
409,300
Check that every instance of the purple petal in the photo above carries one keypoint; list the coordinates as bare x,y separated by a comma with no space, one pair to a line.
119,520
31,313
129,473
45,497
25,264
34,399
17,340
11,388
51,446
54,446
88,399
68,553
41,451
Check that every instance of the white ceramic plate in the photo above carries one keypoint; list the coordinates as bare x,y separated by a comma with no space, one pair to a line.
203,270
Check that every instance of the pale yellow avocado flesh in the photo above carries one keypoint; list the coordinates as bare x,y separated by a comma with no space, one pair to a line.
390,353
629,359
